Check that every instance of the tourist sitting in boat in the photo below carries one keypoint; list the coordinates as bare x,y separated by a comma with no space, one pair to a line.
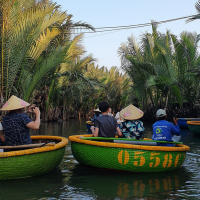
162,129
105,125
97,114
16,123
132,128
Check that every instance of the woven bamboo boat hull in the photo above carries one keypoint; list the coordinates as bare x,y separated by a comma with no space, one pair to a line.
127,157
182,122
194,127
32,162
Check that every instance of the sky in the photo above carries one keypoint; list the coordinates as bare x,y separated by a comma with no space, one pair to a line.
106,13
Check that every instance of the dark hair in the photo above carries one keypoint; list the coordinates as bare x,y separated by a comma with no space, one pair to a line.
103,106
161,118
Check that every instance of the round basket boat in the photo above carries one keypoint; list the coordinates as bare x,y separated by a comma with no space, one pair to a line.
89,124
127,157
32,162
182,122
194,127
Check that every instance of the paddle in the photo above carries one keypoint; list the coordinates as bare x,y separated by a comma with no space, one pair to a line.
104,138
27,146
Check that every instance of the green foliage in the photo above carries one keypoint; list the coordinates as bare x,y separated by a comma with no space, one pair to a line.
35,38
160,67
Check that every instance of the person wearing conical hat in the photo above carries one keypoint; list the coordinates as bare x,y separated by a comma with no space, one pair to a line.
97,114
132,128
16,123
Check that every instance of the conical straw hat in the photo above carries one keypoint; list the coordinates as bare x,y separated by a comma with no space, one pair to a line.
14,103
131,113
97,110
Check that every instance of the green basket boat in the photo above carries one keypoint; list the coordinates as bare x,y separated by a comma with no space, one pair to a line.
194,127
127,157
32,162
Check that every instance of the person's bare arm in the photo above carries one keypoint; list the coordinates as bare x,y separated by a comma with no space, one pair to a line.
35,125
119,133
175,120
2,137
95,131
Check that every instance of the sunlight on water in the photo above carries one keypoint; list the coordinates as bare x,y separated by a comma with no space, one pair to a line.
74,181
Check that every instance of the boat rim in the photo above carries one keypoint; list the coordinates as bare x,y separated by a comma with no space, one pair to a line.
193,122
76,138
63,142
188,119
89,123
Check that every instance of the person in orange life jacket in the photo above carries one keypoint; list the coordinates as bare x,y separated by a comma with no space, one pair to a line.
105,125
162,129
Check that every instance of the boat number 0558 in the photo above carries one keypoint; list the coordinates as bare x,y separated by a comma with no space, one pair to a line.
154,159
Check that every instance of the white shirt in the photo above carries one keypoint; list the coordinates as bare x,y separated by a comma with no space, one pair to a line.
110,114
119,120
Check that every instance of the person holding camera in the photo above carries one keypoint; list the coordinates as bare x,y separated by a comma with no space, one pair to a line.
16,123
163,130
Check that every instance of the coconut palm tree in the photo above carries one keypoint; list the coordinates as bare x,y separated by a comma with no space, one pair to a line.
32,34
159,66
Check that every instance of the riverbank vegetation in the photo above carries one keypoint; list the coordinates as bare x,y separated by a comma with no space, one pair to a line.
44,62
164,70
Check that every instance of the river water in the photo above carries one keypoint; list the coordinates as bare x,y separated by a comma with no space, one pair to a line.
74,181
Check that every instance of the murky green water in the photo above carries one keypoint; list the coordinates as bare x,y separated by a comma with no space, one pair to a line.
74,181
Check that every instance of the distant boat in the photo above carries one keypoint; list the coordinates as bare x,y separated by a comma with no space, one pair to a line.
182,122
194,127
89,124
33,159
105,153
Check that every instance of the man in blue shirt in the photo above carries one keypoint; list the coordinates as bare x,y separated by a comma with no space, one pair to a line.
162,129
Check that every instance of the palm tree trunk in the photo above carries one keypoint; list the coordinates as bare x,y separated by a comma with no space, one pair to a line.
167,100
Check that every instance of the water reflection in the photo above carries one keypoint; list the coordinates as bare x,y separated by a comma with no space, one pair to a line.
65,128
47,185
126,185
